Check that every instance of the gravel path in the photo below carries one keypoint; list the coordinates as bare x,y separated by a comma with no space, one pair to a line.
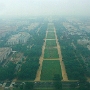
64,74
41,61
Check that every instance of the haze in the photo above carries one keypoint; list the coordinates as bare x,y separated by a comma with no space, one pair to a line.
44,7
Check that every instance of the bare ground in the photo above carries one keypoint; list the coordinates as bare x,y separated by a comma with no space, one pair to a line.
14,80
64,74
40,62
88,79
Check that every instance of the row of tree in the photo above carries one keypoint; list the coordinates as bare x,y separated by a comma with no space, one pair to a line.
75,66
7,72
31,65
32,51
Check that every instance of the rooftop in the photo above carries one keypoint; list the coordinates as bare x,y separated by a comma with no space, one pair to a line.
2,50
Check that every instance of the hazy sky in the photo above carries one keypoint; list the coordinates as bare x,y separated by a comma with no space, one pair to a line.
44,7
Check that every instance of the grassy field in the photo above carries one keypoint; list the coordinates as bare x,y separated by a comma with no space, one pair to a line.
51,53
51,43
70,89
50,35
51,89
56,89
50,29
44,89
49,69
50,26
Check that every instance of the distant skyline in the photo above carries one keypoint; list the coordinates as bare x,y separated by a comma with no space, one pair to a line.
10,8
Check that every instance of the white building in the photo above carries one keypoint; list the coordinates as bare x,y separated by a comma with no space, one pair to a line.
4,52
21,37
83,41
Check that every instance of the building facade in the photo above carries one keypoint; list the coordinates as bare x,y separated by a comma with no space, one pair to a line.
4,52
21,37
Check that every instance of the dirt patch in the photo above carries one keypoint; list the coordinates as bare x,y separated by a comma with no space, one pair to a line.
88,79
64,74
40,62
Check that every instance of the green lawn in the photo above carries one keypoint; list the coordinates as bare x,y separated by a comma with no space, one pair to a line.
51,89
70,89
44,89
51,53
51,25
50,35
50,29
51,43
62,89
49,69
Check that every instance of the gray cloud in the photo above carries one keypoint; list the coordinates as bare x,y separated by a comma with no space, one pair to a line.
44,7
